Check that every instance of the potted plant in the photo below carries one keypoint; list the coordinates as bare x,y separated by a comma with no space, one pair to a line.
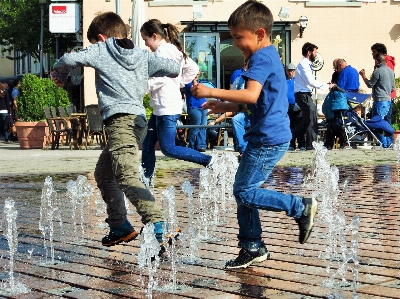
396,110
34,94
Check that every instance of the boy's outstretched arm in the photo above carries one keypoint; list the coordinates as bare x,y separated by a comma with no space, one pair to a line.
162,67
249,95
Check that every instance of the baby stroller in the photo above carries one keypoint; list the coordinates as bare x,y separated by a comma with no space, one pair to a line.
353,131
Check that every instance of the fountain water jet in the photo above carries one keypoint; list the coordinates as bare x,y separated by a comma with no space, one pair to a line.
12,287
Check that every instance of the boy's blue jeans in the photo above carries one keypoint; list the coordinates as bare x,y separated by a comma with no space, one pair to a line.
197,137
239,123
163,129
255,166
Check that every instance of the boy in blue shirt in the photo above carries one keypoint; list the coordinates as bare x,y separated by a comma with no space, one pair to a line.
268,139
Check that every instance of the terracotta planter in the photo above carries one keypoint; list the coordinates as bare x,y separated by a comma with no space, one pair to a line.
396,134
32,134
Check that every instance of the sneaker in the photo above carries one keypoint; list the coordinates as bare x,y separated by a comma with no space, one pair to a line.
247,257
174,235
123,233
302,148
290,148
306,221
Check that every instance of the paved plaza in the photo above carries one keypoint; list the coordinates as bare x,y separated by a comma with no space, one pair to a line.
363,258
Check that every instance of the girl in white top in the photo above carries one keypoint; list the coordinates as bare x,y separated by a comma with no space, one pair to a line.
165,97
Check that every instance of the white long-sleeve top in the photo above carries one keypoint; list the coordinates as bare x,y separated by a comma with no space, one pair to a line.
304,80
165,96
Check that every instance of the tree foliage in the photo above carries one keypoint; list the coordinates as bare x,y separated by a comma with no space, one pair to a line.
20,28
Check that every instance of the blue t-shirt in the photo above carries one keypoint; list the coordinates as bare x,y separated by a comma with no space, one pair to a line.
269,120
349,79
236,74
290,91
191,100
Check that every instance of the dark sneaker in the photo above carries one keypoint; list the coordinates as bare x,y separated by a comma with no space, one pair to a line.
123,233
247,257
174,235
306,221
160,253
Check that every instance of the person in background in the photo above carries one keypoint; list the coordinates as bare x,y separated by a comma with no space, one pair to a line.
294,111
303,86
165,98
240,121
14,98
197,137
5,110
348,76
379,48
382,84
118,63
265,96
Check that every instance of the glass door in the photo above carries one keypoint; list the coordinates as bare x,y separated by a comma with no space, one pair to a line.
203,48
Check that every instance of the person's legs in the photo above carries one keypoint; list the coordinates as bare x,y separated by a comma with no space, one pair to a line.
303,101
166,130
195,119
117,173
202,138
149,147
239,123
6,134
254,169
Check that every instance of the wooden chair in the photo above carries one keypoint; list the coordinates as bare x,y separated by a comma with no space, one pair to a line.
72,122
95,126
57,128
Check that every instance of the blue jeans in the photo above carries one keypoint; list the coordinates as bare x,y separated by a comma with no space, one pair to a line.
163,129
240,122
3,131
197,137
254,169
383,109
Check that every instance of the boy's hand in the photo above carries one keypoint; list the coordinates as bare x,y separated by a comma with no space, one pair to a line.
200,90
362,73
214,106
55,80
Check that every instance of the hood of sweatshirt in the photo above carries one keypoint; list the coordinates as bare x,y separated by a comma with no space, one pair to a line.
121,51
390,61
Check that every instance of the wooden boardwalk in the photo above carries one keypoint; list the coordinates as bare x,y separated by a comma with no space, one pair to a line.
85,269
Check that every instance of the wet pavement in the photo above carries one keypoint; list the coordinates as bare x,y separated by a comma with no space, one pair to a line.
83,268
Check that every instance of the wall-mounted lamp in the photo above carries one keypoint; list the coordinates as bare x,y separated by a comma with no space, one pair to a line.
284,12
303,24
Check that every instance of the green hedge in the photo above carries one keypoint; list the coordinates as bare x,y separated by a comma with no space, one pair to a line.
36,93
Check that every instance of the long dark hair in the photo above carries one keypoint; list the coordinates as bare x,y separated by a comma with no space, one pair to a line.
167,31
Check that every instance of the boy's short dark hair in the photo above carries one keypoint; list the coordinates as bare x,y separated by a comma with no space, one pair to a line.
252,15
308,47
380,48
107,23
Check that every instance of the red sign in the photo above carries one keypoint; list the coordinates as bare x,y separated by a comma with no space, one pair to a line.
59,10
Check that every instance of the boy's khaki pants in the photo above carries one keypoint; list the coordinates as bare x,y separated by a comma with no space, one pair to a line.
117,171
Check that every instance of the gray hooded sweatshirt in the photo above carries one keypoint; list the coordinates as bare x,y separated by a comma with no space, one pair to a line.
121,73
381,82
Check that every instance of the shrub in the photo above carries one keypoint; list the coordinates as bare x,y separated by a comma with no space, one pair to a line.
146,104
36,93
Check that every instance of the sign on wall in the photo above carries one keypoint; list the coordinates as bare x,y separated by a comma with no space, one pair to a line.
64,18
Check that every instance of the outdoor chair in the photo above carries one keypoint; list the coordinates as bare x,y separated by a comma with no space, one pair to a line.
57,128
95,126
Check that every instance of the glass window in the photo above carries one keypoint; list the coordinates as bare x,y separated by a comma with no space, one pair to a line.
204,49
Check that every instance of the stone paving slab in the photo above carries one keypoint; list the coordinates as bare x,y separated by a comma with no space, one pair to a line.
85,269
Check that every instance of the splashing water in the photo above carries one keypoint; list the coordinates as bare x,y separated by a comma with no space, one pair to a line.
12,286
323,182
148,258
101,209
49,212
193,249
215,188
170,227
79,192
148,182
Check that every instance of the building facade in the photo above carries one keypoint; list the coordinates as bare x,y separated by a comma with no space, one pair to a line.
340,28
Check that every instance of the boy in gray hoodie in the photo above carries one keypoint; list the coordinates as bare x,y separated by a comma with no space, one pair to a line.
121,74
